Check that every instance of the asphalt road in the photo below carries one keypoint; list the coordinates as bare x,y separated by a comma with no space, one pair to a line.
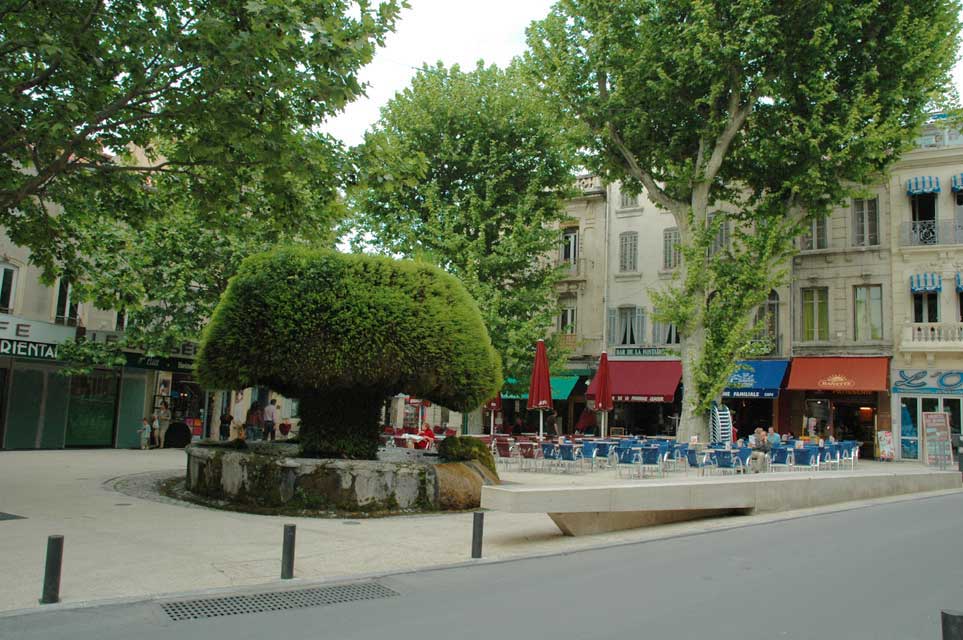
877,572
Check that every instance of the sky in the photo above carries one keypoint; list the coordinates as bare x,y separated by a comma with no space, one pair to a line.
453,31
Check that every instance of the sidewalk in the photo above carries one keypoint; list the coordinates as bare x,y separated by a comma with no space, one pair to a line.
118,545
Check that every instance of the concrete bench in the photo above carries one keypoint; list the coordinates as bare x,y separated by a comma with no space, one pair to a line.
579,511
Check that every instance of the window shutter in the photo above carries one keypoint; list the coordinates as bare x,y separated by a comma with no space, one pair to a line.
872,221
859,227
613,326
638,325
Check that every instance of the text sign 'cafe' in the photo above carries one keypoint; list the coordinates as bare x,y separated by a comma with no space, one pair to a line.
31,338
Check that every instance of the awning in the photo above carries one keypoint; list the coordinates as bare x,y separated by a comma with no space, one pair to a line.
957,185
838,374
926,283
959,282
757,379
642,380
922,184
561,388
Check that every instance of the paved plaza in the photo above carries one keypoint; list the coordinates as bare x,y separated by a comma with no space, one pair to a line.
134,543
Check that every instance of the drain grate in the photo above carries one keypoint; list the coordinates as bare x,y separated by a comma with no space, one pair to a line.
10,516
275,601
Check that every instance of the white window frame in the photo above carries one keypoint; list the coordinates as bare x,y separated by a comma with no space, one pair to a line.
68,319
628,201
867,326
665,333
569,245
567,319
924,298
816,313
12,294
863,213
817,230
671,249
630,326
722,237
628,252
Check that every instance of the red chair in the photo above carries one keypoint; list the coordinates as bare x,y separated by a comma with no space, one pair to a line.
529,453
410,431
449,433
423,444
401,442
505,453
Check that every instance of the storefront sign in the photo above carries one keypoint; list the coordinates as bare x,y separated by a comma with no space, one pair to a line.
23,349
141,361
836,381
640,399
641,351
929,382
15,328
936,427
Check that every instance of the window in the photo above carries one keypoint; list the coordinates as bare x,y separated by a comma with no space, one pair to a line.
866,222
815,236
66,312
815,303
569,250
923,227
8,283
626,325
665,333
960,297
868,312
628,251
671,254
628,201
926,307
121,322
566,320
767,319
721,240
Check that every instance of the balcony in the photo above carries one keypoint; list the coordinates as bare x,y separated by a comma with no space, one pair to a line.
931,232
568,341
932,336
571,269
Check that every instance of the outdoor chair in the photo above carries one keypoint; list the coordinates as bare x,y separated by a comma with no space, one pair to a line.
604,452
589,451
806,458
569,457
829,457
449,433
401,442
549,455
628,458
727,462
651,458
697,460
528,456
743,456
505,453
780,457
847,453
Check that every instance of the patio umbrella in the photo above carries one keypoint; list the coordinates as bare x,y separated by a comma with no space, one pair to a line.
601,390
494,405
540,388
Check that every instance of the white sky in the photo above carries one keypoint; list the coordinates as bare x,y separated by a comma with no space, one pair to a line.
453,31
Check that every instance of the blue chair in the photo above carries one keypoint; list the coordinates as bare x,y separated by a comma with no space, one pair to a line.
569,456
781,457
727,462
589,451
743,456
549,455
604,451
847,453
806,458
629,458
829,457
697,460
651,458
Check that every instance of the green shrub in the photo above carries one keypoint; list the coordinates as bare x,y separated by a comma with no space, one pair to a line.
342,333
454,449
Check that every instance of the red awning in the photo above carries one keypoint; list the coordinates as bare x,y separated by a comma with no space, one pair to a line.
641,380
838,374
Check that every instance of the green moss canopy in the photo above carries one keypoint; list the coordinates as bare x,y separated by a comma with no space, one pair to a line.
305,320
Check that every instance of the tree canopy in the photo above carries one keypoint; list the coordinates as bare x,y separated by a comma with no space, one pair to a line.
106,104
776,110
344,331
468,170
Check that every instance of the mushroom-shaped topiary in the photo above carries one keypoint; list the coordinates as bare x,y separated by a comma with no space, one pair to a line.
344,332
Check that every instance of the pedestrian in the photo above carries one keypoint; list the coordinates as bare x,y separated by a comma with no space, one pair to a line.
270,418
144,432
163,421
238,412
253,422
551,424
225,427
154,432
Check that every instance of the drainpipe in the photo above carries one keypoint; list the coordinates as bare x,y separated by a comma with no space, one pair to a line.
605,273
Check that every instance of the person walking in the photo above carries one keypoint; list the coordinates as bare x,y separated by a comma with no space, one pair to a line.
270,419
144,434
225,427
163,421
254,422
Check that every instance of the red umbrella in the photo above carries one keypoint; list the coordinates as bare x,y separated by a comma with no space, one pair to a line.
601,390
540,388
494,405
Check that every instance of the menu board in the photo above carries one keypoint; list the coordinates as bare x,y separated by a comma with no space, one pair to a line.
936,430
884,441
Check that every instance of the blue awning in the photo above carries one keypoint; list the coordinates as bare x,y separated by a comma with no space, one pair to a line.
757,379
922,184
926,283
957,183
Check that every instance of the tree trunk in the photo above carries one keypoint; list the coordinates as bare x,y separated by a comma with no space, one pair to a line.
693,422
341,423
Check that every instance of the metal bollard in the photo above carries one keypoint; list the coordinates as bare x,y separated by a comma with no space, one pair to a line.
952,624
477,529
287,553
51,574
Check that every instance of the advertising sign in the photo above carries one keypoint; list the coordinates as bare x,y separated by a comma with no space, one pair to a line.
936,433
884,441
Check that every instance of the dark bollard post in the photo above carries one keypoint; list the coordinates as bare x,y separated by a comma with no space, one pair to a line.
51,574
477,528
287,554
952,624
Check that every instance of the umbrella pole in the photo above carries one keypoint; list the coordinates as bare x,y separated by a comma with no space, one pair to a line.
541,417
493,423
605,422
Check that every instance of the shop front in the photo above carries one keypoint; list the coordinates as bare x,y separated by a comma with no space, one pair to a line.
843,397
568,397
646,395
918,391
752,394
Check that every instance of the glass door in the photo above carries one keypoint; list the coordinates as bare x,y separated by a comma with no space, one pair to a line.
908,429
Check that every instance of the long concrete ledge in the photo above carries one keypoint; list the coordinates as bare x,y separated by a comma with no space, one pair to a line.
596,509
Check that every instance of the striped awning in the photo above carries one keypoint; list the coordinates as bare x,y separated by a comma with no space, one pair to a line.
922,184
926,283
957,182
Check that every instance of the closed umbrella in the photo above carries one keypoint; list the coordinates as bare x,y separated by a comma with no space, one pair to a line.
494,405
540,388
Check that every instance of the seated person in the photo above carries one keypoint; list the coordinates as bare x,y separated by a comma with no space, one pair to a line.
760,451
427,432
773,437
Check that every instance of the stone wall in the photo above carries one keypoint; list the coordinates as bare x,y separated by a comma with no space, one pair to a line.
269,476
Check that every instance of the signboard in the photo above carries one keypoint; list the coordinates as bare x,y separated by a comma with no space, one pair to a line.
936,433
641,351
16,328
928,382
884,442
141,361
24,349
